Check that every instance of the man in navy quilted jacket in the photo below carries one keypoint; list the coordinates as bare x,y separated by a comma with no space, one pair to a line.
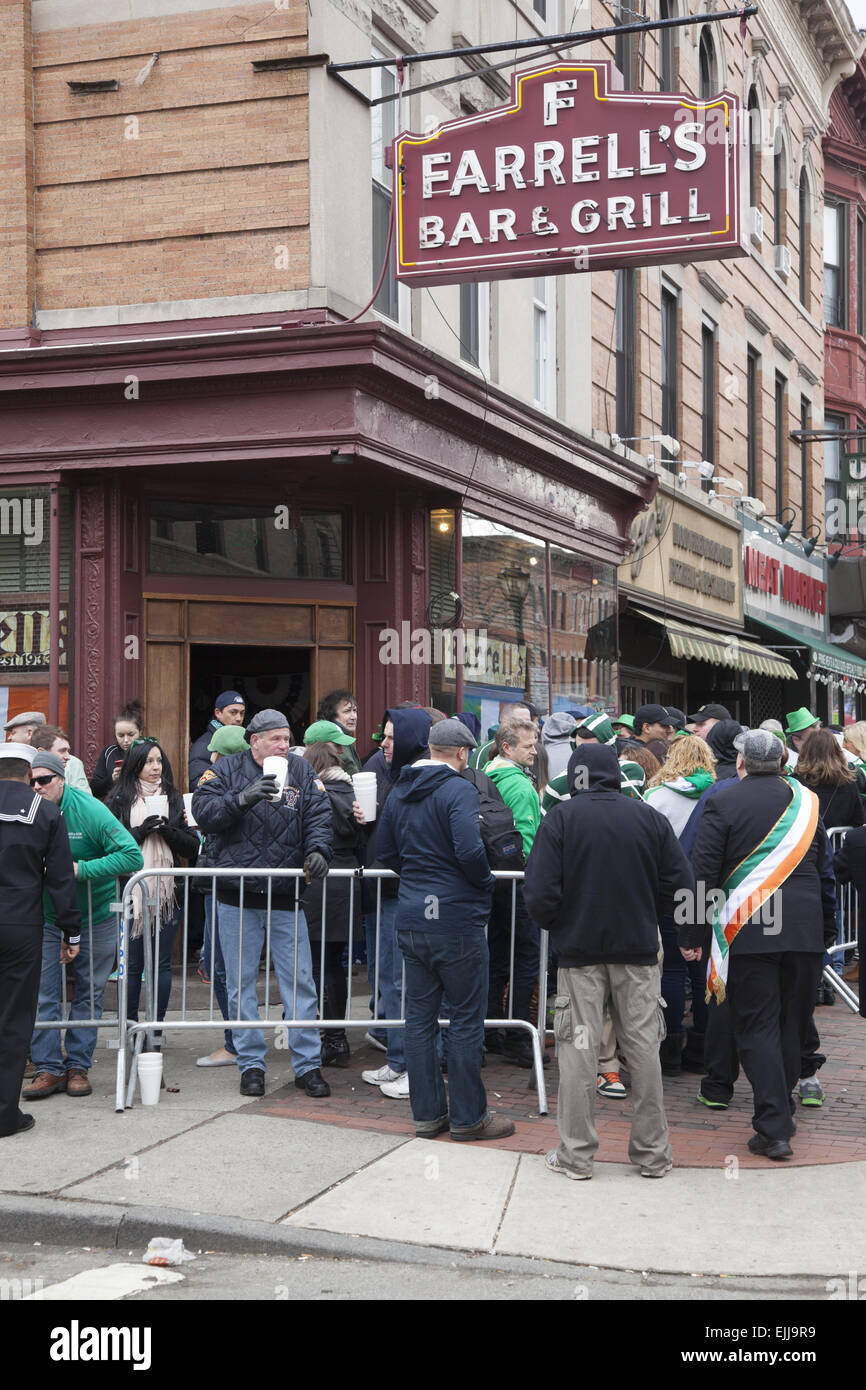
234,802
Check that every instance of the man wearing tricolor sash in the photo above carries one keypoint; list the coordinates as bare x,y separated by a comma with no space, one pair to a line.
759,854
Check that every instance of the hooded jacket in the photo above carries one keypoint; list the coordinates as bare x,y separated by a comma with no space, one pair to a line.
556,741
411,732
603,869
430,835
677,799
721,740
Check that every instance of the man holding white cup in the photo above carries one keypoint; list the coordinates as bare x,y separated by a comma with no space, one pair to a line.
261,825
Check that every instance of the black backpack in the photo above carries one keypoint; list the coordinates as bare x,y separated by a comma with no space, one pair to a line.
502,841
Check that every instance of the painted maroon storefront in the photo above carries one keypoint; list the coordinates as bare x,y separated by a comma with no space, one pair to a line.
271,414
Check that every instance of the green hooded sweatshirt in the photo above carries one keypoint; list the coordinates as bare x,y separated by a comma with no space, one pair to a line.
514,785
102,848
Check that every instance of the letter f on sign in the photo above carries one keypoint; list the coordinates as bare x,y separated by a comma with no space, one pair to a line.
553,101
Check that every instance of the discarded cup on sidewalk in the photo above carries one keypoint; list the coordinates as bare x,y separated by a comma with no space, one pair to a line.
163,1250
149,1076
364,784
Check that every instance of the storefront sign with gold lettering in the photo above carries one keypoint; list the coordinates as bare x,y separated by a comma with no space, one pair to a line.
687,554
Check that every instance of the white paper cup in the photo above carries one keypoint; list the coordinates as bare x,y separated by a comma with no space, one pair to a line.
278,767
187,805
156,806
149,1076
364,784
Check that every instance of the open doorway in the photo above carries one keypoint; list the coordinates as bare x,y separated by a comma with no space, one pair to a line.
267,677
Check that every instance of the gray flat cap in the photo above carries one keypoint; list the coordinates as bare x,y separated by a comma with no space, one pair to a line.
49,761
267,719
759,746
451,733
31,716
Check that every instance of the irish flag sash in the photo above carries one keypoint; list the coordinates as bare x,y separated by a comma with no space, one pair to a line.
757,878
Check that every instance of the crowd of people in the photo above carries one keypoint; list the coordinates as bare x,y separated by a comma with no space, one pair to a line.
668,856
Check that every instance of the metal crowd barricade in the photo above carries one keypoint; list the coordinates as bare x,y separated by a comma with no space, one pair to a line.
90,1022
848,903
132,1033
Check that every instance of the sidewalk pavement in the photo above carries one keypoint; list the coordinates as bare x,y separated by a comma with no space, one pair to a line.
345,1176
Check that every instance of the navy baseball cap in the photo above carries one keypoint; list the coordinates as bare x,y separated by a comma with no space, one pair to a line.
229,697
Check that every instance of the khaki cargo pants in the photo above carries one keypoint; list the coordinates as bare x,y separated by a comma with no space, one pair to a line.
633,992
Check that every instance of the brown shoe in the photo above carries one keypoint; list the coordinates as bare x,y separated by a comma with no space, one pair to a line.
491,1127
45,1083
853,973
77,1084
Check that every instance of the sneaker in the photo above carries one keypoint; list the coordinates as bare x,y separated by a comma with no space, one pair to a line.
656,1172
810,1092
553,1165
375,1042
491,1127
382,1074
609,1084
770,1148
397,1090
711,1104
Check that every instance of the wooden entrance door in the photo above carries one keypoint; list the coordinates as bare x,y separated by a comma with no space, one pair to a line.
173,622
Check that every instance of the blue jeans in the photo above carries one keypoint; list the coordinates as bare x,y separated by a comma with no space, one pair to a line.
212,960
437,963
674,976
390,963
135,964
298,994
45,1047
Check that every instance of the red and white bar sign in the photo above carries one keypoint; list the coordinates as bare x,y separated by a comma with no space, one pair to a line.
573,175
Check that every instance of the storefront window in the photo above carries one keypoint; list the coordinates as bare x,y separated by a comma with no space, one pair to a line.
25,578
246,542
520,641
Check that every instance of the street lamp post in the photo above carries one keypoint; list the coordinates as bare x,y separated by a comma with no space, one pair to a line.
514,583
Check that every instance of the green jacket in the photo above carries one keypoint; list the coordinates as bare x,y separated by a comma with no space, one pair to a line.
515,787
103,850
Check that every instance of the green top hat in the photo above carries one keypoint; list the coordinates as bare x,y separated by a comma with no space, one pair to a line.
599,726
800,719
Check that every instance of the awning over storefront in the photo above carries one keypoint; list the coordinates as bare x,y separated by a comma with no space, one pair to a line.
827,658
722,649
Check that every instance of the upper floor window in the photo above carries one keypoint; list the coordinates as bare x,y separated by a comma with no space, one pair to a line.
383,119
780,181
624,46
667,48
753,420
707,66
835,252
670,368
626,351
708,393
805,240
754,115
544,334
475,324
860,288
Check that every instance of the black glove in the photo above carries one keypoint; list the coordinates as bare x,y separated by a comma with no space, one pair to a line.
316,865
152,825
830,932
262,790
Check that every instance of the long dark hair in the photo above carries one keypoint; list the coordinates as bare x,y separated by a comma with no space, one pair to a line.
821,762
125,790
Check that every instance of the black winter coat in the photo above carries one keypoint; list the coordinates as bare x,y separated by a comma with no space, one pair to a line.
272,834
735,821
840,803
182,841
603,869
199,757
348,854
102,781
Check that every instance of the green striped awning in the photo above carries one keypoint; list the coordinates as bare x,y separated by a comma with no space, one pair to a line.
720,648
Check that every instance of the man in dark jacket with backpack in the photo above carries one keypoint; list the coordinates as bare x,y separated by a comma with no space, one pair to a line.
430,834
602,871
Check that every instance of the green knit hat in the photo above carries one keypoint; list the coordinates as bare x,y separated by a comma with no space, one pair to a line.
632,780
599,726
228,739
800,719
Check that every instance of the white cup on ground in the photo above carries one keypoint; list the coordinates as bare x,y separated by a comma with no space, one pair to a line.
275,766
156,806
364,784
149,1076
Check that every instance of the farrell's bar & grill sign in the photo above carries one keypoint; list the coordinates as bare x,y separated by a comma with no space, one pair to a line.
573,175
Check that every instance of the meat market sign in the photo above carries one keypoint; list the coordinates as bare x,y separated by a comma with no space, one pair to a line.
573,175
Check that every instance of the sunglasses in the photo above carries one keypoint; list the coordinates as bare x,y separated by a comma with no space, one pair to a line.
137,741
43,781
